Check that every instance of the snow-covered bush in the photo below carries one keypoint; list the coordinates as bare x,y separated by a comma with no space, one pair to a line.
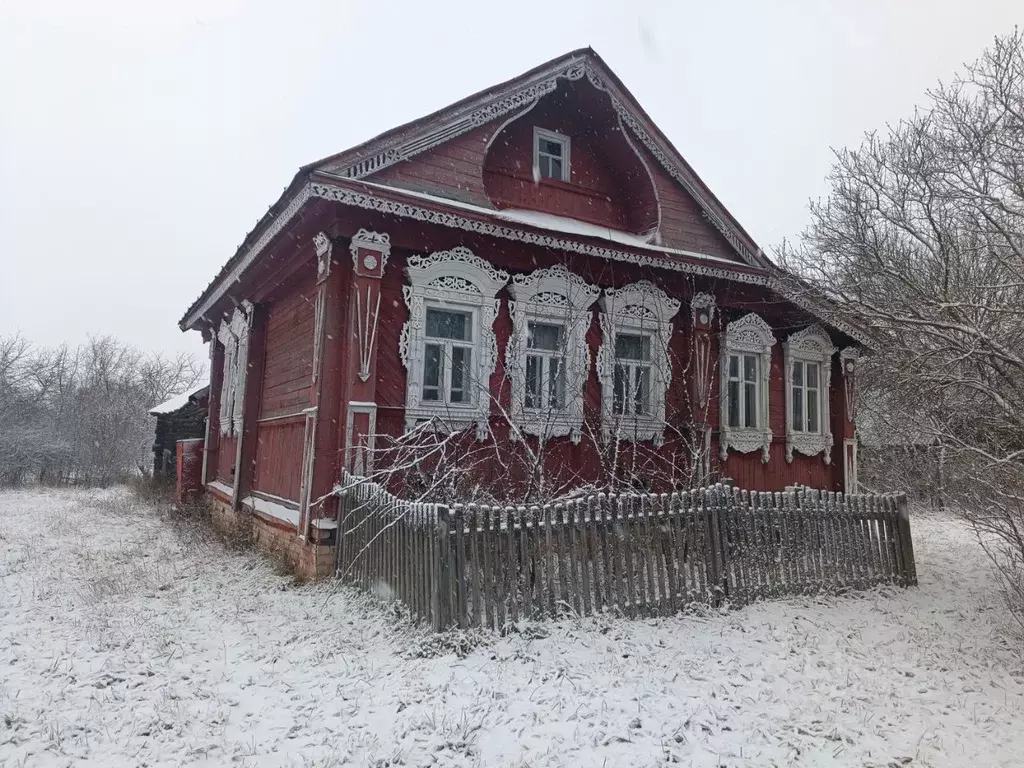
921,243
79,415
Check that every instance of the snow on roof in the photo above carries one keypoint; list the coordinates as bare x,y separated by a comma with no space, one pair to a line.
176,402
554,223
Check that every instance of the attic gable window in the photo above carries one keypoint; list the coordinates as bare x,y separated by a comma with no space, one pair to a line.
550,155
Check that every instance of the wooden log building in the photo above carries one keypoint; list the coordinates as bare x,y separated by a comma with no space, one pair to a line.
536,262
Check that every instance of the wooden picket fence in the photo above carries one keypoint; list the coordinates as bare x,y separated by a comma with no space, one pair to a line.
632,554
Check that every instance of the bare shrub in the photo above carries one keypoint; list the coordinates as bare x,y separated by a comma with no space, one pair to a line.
921,242
79,415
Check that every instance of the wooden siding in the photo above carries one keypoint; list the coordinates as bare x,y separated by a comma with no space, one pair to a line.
608,184
452,169
287,386
279,457
226,454
288,368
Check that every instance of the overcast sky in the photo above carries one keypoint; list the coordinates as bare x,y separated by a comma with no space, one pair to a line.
141,139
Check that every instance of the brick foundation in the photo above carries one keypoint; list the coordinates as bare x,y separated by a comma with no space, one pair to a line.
309,561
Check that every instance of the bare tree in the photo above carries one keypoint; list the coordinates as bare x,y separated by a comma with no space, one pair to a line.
81,414
921,242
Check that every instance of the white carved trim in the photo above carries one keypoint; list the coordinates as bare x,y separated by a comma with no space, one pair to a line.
751,335
207,427
452,279
376,241
323,246
366,320
319,320
241,326
308,462
848,359
643,307
227,378
811,345
702,313
554,294
506,123
650,236
359,458
850,482
234,336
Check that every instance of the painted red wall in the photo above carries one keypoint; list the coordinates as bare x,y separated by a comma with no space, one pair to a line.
285,392
608,183
566,459
452,169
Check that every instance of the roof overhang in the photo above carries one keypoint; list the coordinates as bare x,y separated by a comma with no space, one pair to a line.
405,204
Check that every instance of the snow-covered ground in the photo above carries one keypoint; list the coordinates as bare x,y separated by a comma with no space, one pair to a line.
125,641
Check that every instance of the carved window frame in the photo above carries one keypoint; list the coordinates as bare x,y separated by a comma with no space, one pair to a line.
642,308
811,345
749,335
234,337
454,280
557,296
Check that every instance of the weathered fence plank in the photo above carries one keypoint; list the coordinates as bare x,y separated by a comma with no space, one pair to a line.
638,554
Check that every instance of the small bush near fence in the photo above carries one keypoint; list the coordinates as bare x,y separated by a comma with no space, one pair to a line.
638,555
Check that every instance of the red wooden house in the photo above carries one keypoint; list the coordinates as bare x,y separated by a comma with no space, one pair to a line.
535,264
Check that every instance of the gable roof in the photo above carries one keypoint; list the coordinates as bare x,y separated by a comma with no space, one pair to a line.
178,402
418,136
407,141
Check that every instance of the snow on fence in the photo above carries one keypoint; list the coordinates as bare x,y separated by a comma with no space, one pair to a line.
636,554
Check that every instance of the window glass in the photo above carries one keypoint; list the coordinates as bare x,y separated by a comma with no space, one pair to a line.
619,389
551,157
432,372
460,364
632,347
544,336
556,384
442,324
733,403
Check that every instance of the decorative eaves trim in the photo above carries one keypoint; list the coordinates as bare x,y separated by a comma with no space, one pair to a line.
455,221
409,146
370,202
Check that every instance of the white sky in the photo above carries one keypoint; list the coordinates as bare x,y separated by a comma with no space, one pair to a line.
141,139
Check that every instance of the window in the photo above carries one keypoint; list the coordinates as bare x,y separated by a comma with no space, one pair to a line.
631,381
743,397
448,345
448,357
633,362
805,394
550,155
548,359
746,364
808,360
545,367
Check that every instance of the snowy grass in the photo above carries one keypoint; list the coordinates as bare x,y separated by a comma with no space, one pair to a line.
127,640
